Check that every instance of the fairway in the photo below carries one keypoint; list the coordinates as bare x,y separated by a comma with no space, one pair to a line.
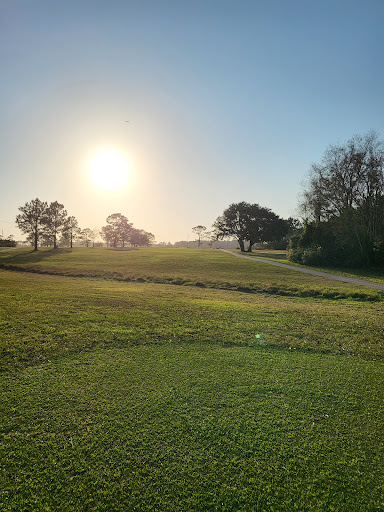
122,391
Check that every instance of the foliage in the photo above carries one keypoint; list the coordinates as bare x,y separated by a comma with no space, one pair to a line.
7,242
344,204
43,224
70,231
250,222
54,221
119,231
141,238
30,220
199,231
85,236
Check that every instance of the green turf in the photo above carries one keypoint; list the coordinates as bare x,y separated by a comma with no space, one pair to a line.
204,268
370,274
43,315
194,427
147,396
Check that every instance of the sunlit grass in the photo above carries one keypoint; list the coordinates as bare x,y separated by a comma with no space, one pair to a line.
140,395
191,267
371,274
194,427
42,315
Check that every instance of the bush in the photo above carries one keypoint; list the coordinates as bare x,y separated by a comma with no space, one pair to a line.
7,242
325,244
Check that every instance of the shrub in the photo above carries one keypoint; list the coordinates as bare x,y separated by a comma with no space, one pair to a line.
7,242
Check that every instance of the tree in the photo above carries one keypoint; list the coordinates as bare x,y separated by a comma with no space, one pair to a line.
54,221
94,234
117,231
250,222
70,230
264,226
125,230
8,242
343,201
141,238
30,220
107,235
199,230
85,236
233,222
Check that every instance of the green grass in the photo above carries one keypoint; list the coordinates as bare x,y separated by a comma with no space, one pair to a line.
43,315
190,267
370,274
147,396
270,254
194,427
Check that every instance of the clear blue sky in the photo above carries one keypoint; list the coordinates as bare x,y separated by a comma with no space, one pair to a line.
228,100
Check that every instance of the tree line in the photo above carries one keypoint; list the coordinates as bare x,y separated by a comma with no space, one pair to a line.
50,225
342,209
343,206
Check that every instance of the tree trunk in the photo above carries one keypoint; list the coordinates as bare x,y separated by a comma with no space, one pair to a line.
241,243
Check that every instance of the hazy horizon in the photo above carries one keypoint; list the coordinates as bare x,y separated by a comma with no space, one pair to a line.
226,102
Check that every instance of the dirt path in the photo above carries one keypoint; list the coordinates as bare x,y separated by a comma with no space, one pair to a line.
344,279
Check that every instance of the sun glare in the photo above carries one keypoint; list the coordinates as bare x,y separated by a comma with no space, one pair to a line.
108,170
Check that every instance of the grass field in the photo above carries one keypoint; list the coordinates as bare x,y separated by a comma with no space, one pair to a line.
240,391
370,274
176,266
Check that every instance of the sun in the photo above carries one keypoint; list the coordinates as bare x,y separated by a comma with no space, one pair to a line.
108,170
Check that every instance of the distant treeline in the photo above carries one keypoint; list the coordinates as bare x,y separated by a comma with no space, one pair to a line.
50,226
7,242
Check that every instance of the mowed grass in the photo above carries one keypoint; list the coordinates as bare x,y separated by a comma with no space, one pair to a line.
146,396
370,273
193,267
194,428
43,315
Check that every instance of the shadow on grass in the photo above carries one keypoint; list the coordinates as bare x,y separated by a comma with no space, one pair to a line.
34,256
124,249
235,287
267,254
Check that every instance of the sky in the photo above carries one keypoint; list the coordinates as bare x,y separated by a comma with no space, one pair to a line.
227,101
